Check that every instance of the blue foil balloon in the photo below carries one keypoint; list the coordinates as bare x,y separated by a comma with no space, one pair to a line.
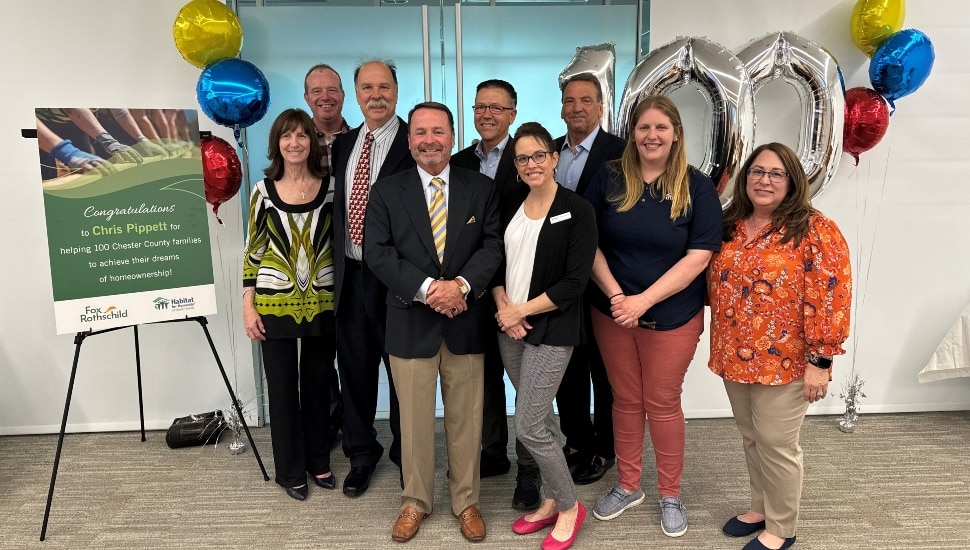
901,64
233,92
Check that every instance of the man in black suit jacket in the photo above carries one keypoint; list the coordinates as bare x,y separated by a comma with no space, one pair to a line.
494,108
582,152
358,294
433,236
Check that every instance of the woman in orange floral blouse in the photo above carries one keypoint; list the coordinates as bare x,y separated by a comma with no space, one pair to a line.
780,290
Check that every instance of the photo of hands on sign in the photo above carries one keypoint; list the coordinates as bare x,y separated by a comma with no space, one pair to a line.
74,141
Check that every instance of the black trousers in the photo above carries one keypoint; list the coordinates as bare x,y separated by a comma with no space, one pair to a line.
588,436
360,320
298,387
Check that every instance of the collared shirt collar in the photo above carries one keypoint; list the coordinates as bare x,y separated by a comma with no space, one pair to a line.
587,143
382,132
499,149
426,177
344,128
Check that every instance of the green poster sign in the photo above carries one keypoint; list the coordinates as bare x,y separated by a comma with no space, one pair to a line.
128,236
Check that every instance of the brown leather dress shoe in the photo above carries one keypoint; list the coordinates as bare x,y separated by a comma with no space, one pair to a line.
407,524
472,524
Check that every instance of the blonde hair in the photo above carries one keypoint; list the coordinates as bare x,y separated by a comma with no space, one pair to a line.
673,181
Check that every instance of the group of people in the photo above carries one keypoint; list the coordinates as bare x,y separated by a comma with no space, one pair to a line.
565,263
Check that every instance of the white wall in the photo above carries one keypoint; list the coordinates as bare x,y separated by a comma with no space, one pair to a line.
905,209
100,53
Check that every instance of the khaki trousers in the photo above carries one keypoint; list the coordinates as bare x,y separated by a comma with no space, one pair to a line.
462,394
770,420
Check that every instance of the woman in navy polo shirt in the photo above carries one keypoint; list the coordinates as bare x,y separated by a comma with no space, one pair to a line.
659,223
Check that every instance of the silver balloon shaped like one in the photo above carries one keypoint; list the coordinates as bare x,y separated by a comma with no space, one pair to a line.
816,78
599,61
720,75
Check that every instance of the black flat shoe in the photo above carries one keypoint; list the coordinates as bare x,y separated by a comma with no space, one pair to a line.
737,528
329,482
755,544
299,493
357,480
593,471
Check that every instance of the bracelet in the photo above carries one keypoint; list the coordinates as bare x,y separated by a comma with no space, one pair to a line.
247,289
615,295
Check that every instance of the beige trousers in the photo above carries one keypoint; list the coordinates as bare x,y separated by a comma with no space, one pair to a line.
461,392
770,419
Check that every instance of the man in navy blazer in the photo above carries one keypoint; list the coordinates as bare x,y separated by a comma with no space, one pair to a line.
582,152
437,317
358,294
495,110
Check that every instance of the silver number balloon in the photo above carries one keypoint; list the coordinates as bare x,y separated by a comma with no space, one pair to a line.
720,75
600,61
815,76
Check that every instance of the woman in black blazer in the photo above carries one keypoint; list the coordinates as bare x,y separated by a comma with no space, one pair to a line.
550,242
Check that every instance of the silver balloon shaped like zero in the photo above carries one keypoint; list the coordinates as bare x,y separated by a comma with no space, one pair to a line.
815,76
599,61
720,75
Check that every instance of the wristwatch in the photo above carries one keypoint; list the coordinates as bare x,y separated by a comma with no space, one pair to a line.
820,361
462,287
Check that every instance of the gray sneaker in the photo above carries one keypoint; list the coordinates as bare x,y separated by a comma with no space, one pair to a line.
673,518
616,502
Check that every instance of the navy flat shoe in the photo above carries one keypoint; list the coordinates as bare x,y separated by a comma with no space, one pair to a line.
737,528
755,544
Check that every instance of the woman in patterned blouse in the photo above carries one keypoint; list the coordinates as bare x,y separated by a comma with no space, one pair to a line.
288,296
780,290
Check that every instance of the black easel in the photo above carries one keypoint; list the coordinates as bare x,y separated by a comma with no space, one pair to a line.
78,340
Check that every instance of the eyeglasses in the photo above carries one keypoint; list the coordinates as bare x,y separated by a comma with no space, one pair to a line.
495,109
538,157
774,176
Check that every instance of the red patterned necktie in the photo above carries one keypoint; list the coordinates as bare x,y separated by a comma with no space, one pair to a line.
359,191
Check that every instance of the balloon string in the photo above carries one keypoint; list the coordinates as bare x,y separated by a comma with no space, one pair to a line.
231,292
863,281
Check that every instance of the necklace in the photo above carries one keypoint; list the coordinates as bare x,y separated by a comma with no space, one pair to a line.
301,188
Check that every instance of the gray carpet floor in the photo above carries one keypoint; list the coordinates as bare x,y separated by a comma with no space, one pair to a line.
900,481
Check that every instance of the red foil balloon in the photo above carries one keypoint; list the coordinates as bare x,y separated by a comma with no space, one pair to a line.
220,170
866,121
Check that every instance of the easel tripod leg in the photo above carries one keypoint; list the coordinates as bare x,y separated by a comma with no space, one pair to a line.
235,402
78,340
141,402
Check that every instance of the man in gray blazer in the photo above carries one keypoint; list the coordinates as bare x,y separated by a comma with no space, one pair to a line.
433,237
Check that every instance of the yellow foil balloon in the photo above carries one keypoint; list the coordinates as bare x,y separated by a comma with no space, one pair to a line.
207,31
873,21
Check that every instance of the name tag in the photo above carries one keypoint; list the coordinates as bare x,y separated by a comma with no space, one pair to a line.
560,217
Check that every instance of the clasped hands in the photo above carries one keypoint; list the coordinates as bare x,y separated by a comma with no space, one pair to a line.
627,310
446,298
510,319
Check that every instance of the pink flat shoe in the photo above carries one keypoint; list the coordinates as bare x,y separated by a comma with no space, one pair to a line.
523,527
549,543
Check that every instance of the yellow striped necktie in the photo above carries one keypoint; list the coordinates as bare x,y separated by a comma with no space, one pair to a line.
439,217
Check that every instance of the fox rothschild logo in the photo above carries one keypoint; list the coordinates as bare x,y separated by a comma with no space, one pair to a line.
94,314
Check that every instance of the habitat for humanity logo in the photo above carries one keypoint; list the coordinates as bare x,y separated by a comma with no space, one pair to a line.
175,304
92,314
